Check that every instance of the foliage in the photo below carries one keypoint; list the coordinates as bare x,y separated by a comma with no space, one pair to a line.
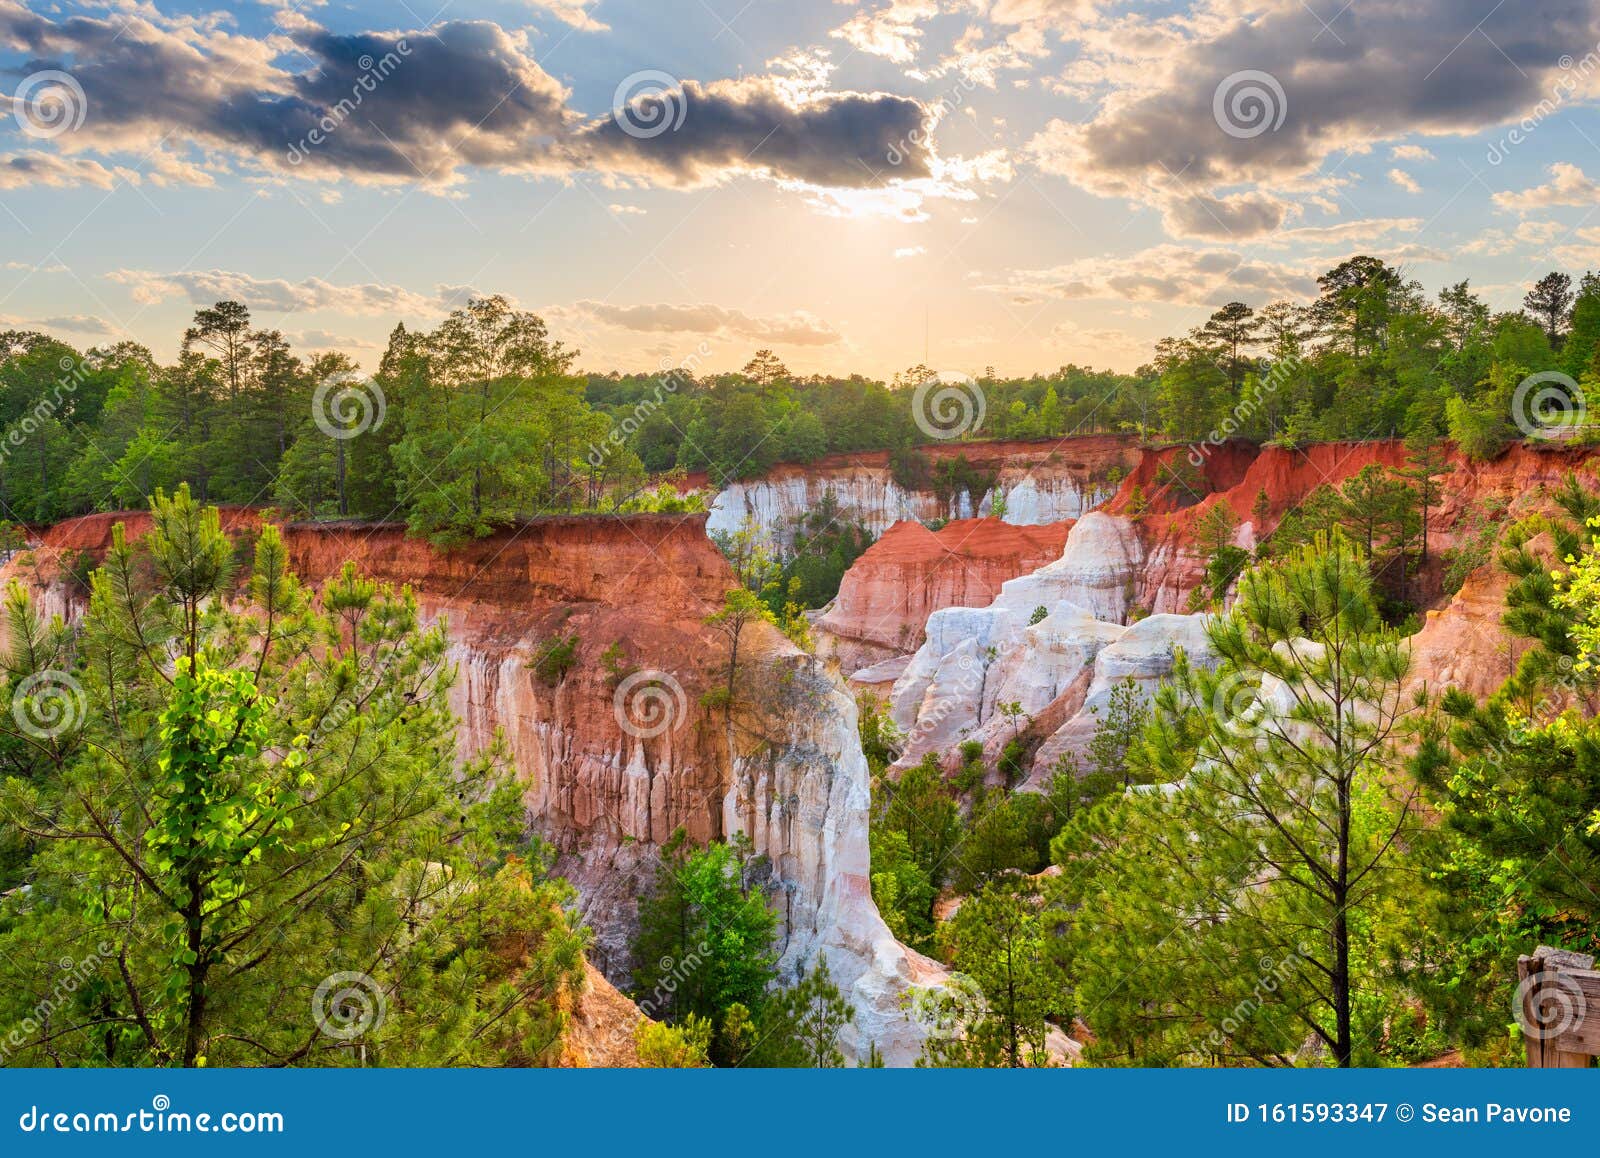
260,787
705,934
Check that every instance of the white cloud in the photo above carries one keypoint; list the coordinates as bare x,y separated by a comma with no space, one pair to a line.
1404,180
798,328
1568,185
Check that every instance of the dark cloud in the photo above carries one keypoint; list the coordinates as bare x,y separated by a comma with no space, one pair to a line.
1380,69
844,140
424,105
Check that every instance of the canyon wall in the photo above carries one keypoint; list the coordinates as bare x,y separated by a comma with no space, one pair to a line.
1039,481
619,753
1054,641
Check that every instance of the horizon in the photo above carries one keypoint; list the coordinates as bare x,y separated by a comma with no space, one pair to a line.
860,188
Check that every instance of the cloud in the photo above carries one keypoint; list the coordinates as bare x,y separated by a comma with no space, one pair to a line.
1404,180
574,13
325,340
203,287
766,126
430,107
793,329
1379,70
1343,233
1568,186
1181,275
891,32
911,251
1410,153
46,170
632,210
1090,346
1528,234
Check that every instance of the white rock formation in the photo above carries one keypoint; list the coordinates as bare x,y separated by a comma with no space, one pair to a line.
773,505
804,803
1142,653
976,657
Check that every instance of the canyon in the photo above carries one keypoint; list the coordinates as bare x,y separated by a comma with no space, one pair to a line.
1082,581
1054,640
619,753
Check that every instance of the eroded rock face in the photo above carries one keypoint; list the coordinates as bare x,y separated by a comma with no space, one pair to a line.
911,572
1038,481
1142,653
605,784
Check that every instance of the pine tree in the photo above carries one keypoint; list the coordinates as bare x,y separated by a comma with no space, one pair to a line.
1275,842
251,806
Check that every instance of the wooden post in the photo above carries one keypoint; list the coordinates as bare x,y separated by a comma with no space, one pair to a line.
1558,996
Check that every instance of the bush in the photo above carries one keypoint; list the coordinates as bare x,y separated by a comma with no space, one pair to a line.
554,659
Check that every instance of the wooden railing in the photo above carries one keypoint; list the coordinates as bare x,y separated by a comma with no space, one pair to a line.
1558,1007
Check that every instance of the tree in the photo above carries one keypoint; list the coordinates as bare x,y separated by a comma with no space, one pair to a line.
1214,533
1116,733
705,935
252,801
997,939
1232,328
799,1027
740,611
1578,351
1427,461
489,433
1276,840
1516,782
1550,300
766,368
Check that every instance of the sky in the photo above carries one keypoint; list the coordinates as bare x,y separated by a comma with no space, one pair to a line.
859,186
